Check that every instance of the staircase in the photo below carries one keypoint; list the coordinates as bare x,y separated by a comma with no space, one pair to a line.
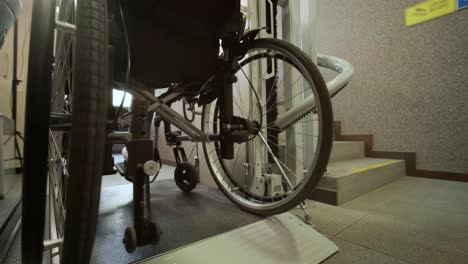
351,174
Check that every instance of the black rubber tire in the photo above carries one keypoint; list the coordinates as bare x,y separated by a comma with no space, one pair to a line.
186,177
324,150
155,231
91,90
130,239
36,132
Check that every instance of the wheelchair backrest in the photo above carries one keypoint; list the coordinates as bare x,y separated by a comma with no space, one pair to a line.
172,40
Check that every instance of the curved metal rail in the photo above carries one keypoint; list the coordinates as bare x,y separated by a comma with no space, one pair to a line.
345,70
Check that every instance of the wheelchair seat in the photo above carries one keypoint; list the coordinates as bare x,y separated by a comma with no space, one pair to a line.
171,40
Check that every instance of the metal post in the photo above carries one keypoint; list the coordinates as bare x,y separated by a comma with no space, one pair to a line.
252,153
227,148
309,45
299,28
140,150
14,92
309,28
226,101
15,82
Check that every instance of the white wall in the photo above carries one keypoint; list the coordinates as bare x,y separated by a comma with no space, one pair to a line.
6,60
6,65
410,88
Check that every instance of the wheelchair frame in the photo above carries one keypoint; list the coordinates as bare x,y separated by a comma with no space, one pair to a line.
137,139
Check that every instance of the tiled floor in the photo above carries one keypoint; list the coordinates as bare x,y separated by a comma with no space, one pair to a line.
411,220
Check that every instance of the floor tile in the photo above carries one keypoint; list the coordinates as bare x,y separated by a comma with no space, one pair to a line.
329,219
412,243
350,253
445,196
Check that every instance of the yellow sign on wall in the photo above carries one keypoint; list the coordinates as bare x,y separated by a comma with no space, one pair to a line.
428,10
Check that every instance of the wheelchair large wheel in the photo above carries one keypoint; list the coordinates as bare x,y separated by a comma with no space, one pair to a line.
273,169
76,132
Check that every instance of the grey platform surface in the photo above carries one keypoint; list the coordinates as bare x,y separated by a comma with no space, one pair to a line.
183,218
277,239
10,200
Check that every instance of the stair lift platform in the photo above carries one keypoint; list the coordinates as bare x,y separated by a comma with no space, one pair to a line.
275,240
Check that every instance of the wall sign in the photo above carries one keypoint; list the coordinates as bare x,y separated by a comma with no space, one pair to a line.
431,9
462,4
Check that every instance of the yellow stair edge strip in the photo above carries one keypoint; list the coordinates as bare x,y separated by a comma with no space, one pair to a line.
375,166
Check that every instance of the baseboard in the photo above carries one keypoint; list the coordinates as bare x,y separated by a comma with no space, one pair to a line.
408,157
441,175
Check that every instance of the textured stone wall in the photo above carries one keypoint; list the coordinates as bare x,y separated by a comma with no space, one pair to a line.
411,84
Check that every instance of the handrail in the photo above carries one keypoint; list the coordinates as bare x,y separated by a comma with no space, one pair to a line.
345,70
343,67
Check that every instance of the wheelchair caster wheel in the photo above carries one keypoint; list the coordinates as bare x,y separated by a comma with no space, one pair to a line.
186,177
155,233
130,239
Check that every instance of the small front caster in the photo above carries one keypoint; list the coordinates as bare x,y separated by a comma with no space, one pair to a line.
151,235
130,239
155,233
186,177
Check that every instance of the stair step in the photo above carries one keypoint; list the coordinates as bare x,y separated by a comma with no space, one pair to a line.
349,179
347,150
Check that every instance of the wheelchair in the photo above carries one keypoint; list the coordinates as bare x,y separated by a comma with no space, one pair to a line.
259,107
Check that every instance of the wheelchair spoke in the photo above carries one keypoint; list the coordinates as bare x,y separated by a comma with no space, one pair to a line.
298,133
262,153
284,101
286,152
277,161
241,108
274,171
59,142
